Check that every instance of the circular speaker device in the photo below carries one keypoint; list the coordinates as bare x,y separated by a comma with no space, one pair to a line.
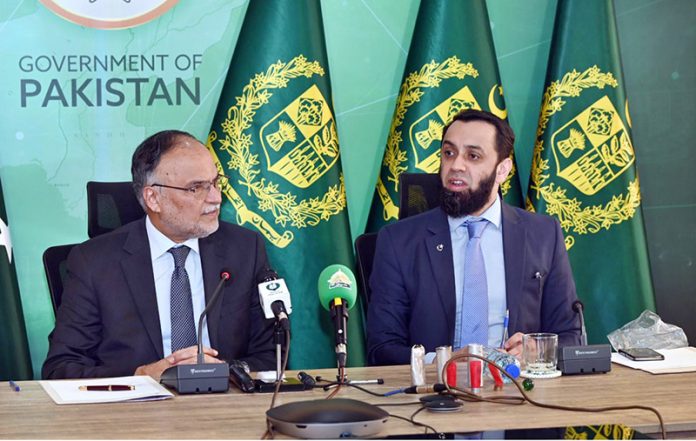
328,419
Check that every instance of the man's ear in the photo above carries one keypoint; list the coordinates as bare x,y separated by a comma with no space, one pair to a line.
502,170
151,198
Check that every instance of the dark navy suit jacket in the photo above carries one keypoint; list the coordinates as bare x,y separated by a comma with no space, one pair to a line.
108,325
413,296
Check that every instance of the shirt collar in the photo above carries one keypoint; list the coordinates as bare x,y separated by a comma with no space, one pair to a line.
160,244
493,214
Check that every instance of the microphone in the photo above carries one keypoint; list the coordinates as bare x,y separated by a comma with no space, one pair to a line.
584,359
201,377
274,297
437,388
307,380
337,294
578,307
224,277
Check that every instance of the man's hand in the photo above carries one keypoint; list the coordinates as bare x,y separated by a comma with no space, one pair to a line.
513,345
182,356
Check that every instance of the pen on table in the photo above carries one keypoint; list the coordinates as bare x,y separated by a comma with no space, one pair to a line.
14,386
506,320
108,388
394,392
377,381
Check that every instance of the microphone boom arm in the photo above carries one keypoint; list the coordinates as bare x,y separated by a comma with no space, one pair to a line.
224,277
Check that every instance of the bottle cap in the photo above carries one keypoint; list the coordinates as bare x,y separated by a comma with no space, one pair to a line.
513,370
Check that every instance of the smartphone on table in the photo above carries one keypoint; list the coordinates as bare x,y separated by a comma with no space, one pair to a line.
641,354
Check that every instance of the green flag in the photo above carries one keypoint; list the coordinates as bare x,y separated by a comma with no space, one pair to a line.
15,363
584,172
274,133
451,66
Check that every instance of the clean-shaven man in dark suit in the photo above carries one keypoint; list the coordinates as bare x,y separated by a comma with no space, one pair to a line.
129,308
422,290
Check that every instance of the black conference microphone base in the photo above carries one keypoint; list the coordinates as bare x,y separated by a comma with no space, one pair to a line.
197,378
585,359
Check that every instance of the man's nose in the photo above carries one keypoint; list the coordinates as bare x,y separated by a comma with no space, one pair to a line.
214,195
459,164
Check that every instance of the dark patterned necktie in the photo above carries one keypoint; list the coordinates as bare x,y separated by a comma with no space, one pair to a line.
181,304
475,301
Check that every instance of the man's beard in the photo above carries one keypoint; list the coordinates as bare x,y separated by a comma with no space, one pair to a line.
463,203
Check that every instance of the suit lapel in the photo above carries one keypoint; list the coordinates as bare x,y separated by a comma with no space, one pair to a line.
211,254
439,247
514,238
137,268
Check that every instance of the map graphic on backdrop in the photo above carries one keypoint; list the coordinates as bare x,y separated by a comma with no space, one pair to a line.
90,97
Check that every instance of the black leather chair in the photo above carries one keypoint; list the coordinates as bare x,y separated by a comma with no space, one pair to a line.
110,205
365,253
418,192
54,261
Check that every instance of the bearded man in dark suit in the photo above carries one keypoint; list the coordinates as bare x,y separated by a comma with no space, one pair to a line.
449,276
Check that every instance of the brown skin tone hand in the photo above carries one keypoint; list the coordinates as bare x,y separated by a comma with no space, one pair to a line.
182,356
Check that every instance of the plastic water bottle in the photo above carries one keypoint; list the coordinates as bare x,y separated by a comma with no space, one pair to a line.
504,361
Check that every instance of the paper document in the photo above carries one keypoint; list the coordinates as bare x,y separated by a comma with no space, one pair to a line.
676,360
68,391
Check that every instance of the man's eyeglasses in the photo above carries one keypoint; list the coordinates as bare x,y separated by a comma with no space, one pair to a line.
200,189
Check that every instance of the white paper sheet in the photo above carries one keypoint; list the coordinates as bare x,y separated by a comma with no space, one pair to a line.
68,391
676,360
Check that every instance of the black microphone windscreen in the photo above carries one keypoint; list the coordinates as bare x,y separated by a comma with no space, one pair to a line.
578,306
266,275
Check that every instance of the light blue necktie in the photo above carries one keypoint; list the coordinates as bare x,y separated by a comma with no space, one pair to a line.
181,304
475,301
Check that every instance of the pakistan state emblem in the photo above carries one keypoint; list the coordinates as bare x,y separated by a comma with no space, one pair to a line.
593,148
301,143
588,152
296,147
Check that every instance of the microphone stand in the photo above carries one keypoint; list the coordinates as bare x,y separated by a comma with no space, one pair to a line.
279,340
289,384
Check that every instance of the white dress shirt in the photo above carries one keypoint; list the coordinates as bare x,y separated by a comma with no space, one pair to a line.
162,268
494,259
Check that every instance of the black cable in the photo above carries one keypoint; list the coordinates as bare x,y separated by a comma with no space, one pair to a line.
415,423
269,429
341,381
468,396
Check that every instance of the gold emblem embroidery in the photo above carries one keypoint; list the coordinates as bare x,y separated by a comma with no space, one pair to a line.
301,161
604,431
611,152
590,151
300,144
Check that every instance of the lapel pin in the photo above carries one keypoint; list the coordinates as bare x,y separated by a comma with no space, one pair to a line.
439,247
